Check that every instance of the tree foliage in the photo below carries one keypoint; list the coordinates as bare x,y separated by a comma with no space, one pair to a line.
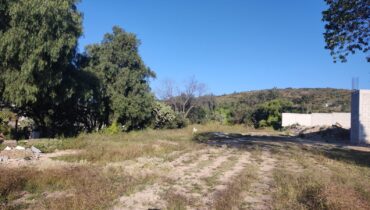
43,77
347,27
124,79
269,113
38,40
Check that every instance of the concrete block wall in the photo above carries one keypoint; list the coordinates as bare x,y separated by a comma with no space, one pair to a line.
317,119
293,118
360,121
343,119
321,119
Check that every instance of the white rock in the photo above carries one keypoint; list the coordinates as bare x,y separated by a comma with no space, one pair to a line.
7,148
3,158
35,150
20,148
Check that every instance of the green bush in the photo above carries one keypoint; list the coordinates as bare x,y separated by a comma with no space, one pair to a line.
222,115
198,115
163,116
262,124
180,121
269,113
5,117
112,129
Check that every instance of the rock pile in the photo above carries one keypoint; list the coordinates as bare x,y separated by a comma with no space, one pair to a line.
19,153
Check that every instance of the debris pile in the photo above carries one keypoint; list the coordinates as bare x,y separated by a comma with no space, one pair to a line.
19,153
322,133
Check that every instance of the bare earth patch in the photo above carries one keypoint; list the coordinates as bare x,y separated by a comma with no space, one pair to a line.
260,194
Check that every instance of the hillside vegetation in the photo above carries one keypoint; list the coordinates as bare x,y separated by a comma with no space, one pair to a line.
304,99
263,108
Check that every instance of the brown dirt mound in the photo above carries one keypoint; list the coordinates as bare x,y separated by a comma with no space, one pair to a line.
326,133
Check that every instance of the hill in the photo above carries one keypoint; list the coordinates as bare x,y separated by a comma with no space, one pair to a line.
305,100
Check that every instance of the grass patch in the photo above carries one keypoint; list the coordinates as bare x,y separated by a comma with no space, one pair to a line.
225,166
232,196
86,187
176,201
306,176
51,145
325,183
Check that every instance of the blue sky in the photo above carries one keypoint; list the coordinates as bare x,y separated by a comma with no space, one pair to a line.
230,45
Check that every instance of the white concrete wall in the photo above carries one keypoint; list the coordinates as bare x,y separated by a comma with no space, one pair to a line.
322,119
360,132
317,119
343,119
293,118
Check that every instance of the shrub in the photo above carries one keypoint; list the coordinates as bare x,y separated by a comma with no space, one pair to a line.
112,129
222,115
180,121
198,115
163,116
5,117
269,113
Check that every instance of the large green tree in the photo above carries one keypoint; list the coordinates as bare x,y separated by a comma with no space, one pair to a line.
347,27
124,79
38,40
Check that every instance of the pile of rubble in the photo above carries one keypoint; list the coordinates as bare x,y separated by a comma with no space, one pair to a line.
19,153
326,133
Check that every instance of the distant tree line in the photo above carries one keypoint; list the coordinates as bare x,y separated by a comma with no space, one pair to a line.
256,109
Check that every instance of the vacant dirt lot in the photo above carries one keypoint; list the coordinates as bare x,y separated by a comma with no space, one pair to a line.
219,168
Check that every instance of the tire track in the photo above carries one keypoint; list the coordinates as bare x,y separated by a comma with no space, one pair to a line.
259,196
151,197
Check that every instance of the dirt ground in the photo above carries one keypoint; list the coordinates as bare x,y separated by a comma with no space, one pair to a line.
202,178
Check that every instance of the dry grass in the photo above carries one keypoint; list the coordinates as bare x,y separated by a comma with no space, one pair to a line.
323,183
81,187
225,166
176,201
91,185
305,176
232,196
101,148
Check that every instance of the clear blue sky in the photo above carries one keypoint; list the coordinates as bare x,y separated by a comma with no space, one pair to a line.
230,45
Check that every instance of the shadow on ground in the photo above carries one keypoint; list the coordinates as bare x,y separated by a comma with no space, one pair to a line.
336,151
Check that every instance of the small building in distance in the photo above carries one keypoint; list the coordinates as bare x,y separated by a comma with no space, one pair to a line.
360,117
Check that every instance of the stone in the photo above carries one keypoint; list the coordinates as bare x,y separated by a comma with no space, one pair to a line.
20,148
35,150
7,148
4,158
